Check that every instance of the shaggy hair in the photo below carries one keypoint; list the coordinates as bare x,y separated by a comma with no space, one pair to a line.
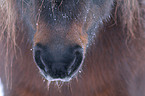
128,13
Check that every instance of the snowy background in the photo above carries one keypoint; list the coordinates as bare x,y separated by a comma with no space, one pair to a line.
1,88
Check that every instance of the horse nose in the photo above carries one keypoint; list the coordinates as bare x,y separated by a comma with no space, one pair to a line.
58,70
57,63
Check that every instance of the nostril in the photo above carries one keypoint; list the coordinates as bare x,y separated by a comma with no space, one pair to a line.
37,52
78,51
38,59
78,57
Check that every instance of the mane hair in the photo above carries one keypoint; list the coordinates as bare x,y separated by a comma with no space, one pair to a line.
131,16
127,14
12,23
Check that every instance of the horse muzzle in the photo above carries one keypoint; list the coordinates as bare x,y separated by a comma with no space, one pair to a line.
58,64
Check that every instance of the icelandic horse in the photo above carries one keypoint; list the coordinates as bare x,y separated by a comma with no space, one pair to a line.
72,47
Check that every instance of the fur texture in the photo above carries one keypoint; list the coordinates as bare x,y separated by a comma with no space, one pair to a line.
114,63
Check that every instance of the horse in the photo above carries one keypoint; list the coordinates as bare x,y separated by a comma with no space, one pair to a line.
72,47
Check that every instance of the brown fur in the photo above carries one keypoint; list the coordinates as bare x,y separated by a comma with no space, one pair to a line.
114,65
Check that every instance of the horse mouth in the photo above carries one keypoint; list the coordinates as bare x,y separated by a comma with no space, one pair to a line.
73,69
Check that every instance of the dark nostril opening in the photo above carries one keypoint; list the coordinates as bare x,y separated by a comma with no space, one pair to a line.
38,60
78,57
37,55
